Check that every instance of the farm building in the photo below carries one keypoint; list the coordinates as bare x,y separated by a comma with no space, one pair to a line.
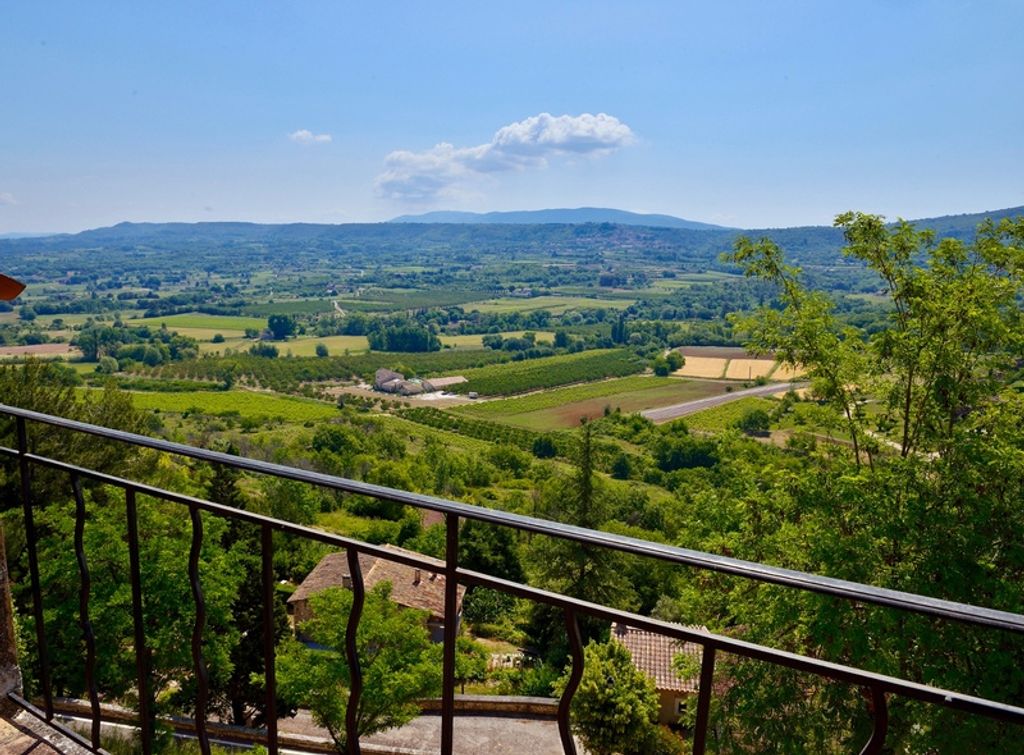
653,654
410,587
390,381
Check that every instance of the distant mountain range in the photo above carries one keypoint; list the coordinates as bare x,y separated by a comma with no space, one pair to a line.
566,216
692,247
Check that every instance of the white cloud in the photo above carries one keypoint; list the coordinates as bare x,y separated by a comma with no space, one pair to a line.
6,198
305,136
530,143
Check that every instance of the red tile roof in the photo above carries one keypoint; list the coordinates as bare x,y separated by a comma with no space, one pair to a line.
410,587
653,654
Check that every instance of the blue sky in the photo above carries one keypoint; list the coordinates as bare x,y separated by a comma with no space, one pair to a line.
746,113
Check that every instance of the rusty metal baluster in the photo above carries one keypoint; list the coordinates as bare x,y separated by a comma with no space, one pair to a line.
24,472
880,714
707,673
85,586
451,629
141,653
572,628
202,677
269,672
355,689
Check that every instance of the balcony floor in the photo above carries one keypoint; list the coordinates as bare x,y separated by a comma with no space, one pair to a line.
24,734
474,734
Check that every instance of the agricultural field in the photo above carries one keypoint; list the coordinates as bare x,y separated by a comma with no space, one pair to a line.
475,341
73,320
723,417
234,343
306,347
303,346
554,304
292,307
286,375
197,321
549,372
749,369
564,408
41,350
784,372
246,404
703,367
731,363
686,280
202,327
474,428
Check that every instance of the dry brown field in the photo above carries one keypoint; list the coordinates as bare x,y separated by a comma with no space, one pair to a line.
40,350
703,367
749,369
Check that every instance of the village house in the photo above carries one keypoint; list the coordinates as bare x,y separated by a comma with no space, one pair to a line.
653,654
410,587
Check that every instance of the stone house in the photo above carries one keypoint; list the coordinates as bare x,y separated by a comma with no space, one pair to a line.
421,589
653,654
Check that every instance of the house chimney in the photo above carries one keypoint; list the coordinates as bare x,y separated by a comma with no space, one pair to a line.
416,579
346,581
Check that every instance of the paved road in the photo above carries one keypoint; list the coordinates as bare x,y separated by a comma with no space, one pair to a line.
675,411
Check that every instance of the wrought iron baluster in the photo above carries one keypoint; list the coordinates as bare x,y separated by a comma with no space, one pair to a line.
880,715
25,473
572,628
355,672
451,628
707,674
269,672
202,677
85,587
142,659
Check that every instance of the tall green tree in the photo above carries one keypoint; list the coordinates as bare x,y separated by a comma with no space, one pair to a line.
573,568
615,708
168,608
398,661
926,498
240,696
281,326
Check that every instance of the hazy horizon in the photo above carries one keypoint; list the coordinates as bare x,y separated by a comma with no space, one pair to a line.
746,115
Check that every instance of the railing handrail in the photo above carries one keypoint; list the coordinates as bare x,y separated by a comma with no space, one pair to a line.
853,591
879,685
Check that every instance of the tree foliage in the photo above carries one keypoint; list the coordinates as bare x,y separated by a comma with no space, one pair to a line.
398,662
925,499
615,708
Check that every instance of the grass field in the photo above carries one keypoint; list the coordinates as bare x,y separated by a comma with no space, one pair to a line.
246,404
554,304
565,407
224,324
306,347
236,343
719,418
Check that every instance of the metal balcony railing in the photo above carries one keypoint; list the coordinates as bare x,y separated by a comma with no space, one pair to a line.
878,686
